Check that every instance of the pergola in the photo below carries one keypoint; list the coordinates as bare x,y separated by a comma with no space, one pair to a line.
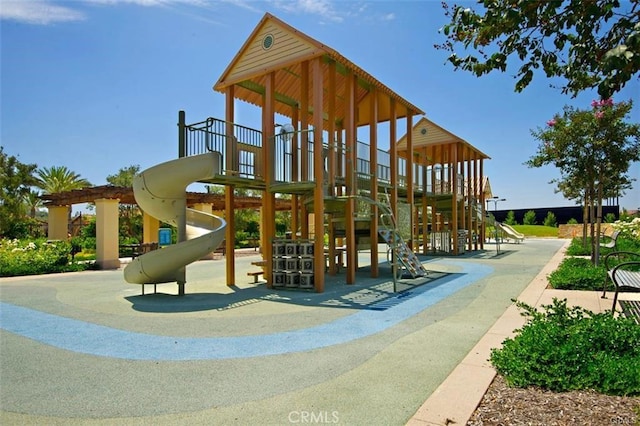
107,199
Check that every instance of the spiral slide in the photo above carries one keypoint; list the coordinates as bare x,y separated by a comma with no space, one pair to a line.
160,191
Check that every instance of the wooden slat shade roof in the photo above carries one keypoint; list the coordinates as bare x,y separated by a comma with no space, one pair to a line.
285,52
426,133
125,196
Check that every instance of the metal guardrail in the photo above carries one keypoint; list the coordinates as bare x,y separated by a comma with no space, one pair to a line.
245,144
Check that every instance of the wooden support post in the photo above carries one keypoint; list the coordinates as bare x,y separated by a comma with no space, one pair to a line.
410,188
373,170
268,199
453,224
304,141
318,168
351,148
231,148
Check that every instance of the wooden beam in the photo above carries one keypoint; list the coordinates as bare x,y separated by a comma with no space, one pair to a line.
257,88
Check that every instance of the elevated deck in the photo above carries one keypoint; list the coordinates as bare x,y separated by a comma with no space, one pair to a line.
292,164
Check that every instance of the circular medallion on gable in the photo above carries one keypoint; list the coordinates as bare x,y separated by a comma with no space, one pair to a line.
423,131
267,41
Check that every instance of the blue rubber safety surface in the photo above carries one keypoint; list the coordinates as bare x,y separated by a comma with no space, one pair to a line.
94,339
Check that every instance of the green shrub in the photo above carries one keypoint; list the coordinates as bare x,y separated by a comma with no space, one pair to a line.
572,221
23,257
577,249
576,273
624,244
563,349
609,218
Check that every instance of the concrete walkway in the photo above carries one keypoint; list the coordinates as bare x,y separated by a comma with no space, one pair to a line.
88,348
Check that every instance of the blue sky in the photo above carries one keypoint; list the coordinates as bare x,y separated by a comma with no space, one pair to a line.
96,85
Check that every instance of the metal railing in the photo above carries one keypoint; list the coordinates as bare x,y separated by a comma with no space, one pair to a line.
245,145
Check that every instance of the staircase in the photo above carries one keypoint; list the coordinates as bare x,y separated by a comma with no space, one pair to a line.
389,233
407,258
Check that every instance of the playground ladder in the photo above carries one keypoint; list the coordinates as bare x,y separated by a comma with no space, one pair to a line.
404,254
389,233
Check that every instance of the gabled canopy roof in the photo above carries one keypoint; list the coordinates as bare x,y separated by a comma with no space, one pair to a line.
274,46
427,133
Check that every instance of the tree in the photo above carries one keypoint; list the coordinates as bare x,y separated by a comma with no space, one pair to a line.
529,218
550,220
59,179
511,218
587,43
130,215
593,150
32,202
16,179
124,177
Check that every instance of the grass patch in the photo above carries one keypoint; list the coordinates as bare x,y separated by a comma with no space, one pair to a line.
537,231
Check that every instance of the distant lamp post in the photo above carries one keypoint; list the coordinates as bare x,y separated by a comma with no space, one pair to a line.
495,201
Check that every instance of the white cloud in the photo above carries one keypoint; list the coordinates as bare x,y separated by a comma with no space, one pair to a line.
151,3
39,12
389,17
322,8
44,12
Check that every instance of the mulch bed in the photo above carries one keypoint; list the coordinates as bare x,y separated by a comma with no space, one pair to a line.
502,405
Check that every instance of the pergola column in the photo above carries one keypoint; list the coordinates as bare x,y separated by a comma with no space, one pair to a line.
58,223
107,256
150,228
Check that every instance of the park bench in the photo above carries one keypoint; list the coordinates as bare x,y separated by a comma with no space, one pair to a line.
145,248
135,250
255,275
631,309
625,276
609,241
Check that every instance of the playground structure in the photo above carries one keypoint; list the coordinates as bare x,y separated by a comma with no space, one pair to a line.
422,193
